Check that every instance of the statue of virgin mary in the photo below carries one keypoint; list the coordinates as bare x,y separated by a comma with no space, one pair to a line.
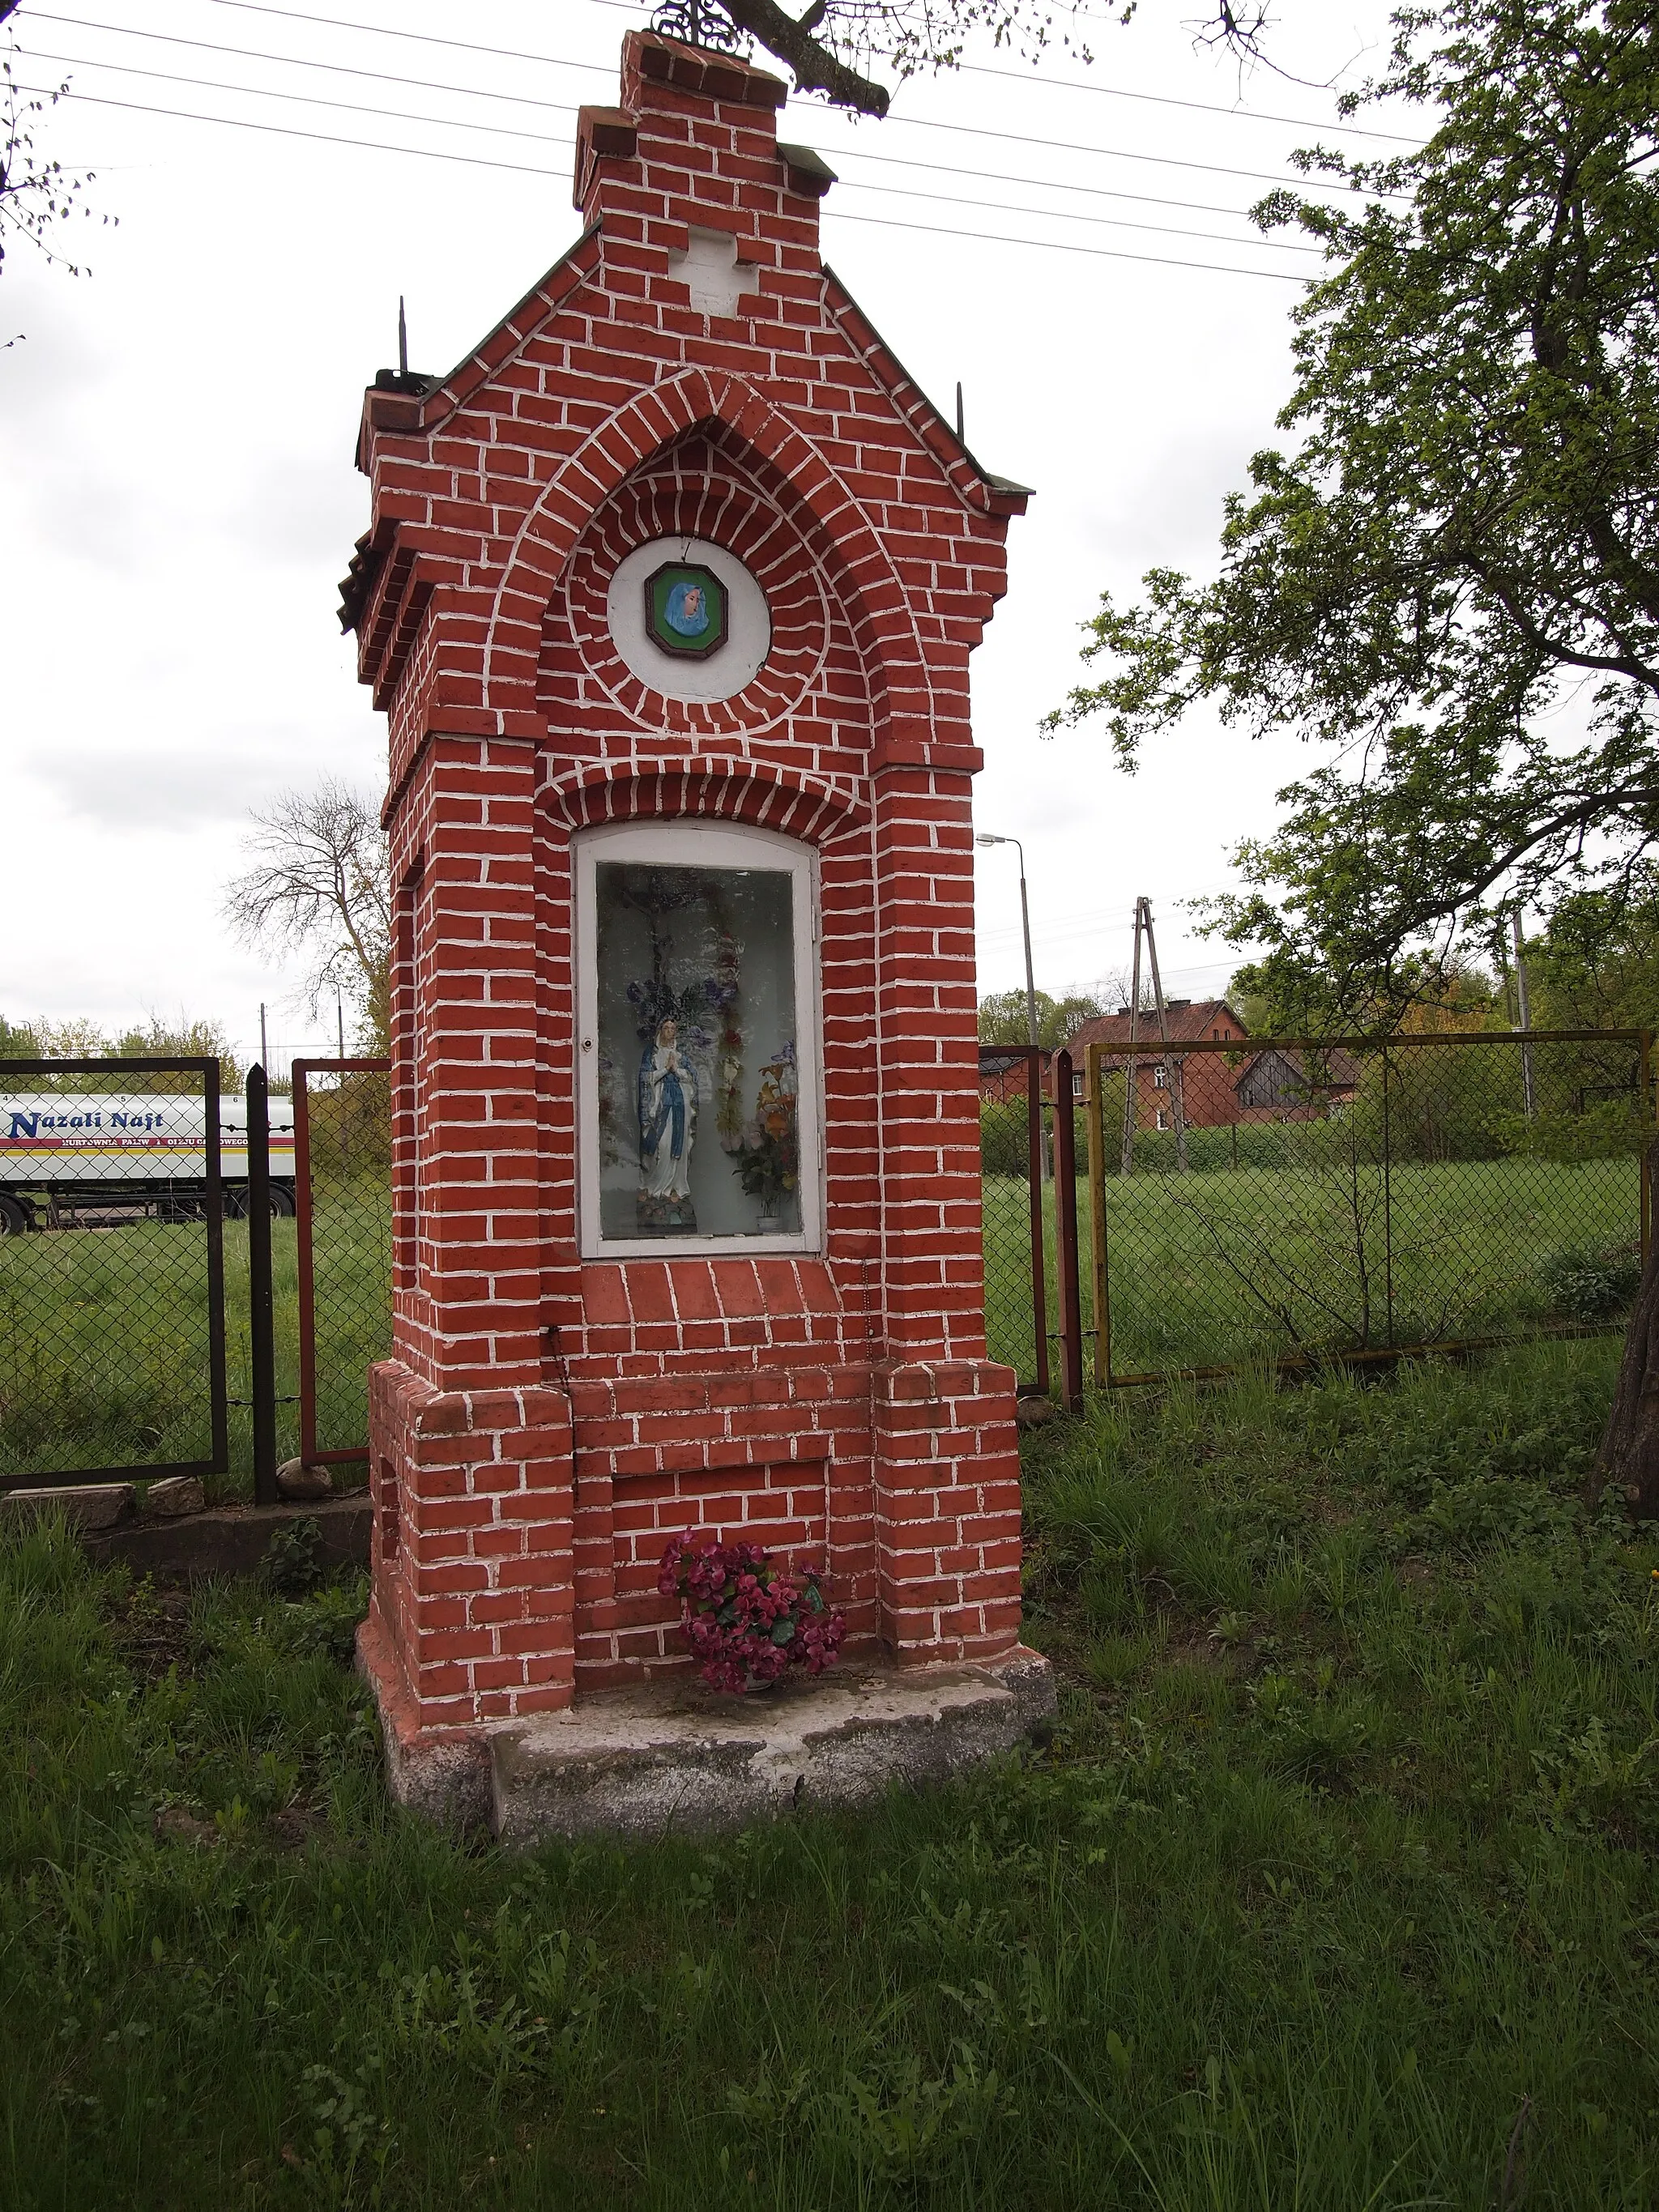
668,1120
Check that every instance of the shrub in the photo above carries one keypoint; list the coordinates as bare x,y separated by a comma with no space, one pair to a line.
1590,1285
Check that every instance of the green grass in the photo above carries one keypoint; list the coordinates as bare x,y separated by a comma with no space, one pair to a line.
1339,1866
104,1340
1221,1268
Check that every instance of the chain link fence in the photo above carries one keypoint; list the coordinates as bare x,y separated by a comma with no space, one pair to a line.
111,1268
1017,1215
1290,1201
343,1127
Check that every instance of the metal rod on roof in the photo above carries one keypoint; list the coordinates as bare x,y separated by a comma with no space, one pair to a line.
403,340
961,437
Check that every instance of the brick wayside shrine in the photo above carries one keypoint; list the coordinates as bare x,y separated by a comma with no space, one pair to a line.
668,594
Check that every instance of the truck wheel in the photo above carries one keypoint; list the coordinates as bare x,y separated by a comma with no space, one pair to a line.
281,1203
16,1218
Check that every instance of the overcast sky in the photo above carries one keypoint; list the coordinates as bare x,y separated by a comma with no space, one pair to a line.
178,500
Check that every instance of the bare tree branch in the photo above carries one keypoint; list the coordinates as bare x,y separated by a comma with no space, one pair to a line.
320,886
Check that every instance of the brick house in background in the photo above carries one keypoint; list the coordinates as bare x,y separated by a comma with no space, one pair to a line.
1001,1077
1209,1099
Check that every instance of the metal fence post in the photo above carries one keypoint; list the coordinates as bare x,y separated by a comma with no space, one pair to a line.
1095,1105
1066,1254
262,1326
300,1076
1035,1180
1645,1078
213,1207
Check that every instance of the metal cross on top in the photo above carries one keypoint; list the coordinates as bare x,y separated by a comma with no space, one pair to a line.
700,24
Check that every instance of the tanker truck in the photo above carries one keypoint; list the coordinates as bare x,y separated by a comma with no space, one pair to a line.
73,1161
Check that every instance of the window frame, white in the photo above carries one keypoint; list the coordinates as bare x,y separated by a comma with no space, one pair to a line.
697,844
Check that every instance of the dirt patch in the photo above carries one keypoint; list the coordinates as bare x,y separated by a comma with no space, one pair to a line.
175,1825
295,1826
151,1631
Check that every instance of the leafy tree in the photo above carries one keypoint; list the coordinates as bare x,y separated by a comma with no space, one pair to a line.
78,1038
1450,581
1287,1000
320,887
1003,1017
183,1039
1596,966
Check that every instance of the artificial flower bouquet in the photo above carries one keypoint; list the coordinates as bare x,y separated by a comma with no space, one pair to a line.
746,1619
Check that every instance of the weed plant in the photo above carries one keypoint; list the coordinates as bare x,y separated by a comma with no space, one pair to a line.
1334,1887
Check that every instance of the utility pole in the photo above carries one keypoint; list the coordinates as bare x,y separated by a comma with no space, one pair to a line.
1130,1071
1524,1005
1172,1067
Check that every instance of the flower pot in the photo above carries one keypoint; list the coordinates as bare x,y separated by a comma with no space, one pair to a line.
769,1224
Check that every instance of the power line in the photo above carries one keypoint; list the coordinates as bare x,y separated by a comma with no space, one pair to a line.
299,61
418,38
474,92
1065,245
1064,215
1200,106
403,115
288,131
303,99
526,169
1042,184
1069,84
1113,153
913,122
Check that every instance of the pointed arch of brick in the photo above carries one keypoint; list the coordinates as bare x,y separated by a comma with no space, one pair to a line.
864,570
717,787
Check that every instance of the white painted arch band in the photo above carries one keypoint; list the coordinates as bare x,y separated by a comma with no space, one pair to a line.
749,623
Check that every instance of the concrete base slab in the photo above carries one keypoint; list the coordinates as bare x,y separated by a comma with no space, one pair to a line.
174,1496
671,1757
234,1539
85,1505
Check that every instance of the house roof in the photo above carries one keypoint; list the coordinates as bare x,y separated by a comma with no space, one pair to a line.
1189,1021
1341,1071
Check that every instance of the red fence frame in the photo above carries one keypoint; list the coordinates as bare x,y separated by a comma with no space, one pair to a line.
345,1454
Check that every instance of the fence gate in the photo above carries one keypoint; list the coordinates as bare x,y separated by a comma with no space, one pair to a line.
1033,1320
1289,1201
342,1186
111,1269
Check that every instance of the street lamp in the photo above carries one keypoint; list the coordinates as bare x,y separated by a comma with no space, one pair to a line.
984,837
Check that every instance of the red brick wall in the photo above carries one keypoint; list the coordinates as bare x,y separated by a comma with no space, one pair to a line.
546,1423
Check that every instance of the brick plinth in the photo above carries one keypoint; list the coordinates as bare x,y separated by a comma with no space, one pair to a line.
473,1548
548,1420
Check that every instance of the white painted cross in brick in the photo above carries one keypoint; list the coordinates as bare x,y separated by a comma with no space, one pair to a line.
717,278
